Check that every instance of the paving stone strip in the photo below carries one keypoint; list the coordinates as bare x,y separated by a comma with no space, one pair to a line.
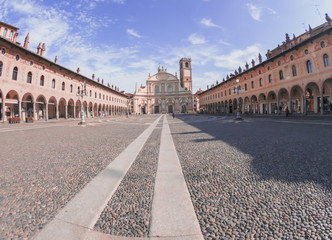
128,212
77,219
173,215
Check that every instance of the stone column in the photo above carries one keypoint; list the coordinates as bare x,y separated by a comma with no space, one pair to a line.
4,117
46,111
19,109
267,106
321,104
57,112
66,111
278,105
304,105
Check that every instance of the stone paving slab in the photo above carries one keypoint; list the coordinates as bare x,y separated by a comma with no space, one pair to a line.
173,214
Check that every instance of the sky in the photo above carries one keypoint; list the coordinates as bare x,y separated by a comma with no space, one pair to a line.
122,41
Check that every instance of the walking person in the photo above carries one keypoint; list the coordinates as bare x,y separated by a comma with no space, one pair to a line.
173,115
287,112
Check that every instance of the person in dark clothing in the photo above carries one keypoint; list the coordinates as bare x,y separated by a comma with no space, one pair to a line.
173,115
287,112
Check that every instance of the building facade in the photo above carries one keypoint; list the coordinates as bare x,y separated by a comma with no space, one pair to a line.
33,86
165,93
296,75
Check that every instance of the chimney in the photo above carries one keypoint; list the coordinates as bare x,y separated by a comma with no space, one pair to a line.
253,63
42,50
56,59
98,80
39,48
260,58
26,41
78,70
247,65
102,81
93,76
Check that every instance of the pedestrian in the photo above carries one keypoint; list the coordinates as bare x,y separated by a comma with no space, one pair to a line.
287,111
173,115
280,109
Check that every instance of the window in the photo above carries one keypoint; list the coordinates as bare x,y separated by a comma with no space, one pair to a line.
17,57
325,58
229,92
260,82
270,78
309,66
225,93
14,77
291,58
53,83
3,51
252,84
259,72
156,89
279,63
268,68
71,88
1,65
90,93
245,87
95,95
78,90
11,34
29,78
41,83
306,52
281,75
63,86
294,70
99,95
169,89
187,64
4,32
322,44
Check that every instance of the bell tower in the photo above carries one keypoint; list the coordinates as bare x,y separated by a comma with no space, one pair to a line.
186,73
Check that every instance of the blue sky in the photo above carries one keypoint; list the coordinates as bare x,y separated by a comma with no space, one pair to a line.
122,41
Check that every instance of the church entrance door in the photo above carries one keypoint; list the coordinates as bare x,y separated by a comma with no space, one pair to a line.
156,109
170,109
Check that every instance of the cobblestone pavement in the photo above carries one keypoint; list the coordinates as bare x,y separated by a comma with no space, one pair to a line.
261,178
44,165
257,179
128,213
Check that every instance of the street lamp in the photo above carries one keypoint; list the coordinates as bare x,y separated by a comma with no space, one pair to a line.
82,93
237,89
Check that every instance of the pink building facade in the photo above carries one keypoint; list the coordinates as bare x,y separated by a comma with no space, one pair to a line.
35,87
296,75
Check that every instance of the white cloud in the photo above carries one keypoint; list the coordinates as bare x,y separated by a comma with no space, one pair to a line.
133,33
224,43
237,57
272,11
208,23
119,1
196,39
254,11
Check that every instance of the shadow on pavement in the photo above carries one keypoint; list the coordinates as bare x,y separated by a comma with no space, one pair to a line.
287,152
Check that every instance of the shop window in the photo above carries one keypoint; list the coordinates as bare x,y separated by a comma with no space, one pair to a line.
29,77
15,72
281,75
294,71
309,66
325,58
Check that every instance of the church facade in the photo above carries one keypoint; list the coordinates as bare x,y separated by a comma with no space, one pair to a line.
165,93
